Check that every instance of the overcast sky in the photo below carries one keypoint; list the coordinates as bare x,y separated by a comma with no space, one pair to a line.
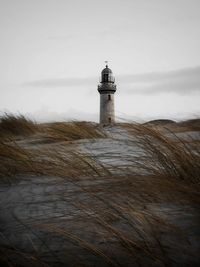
52,53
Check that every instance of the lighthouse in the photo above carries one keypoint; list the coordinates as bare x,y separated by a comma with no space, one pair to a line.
107,89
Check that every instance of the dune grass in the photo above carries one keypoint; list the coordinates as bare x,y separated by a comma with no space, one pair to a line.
70,131
165,153
190,125
16,125
13,160
13,126
117,209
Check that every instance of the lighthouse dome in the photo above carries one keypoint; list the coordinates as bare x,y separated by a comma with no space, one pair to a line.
107,75
106,70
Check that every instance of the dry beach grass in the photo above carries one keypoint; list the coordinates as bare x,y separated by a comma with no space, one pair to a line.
15,125
111,215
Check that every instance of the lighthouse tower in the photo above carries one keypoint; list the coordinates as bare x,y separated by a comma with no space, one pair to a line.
107,88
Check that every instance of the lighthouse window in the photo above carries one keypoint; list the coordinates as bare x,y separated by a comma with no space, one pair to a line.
109,97
105,77
109,120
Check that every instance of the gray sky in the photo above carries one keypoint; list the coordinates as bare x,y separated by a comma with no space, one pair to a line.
52,53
